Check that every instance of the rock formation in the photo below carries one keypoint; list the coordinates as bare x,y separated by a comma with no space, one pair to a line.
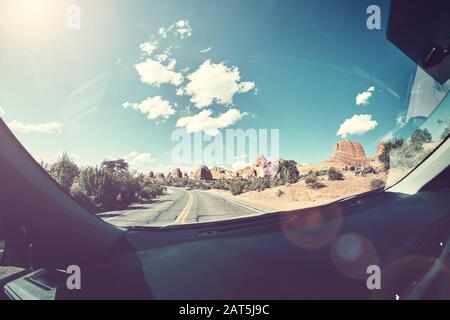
221,173
176,174
265,168
348,152
247,173
160,176
202,173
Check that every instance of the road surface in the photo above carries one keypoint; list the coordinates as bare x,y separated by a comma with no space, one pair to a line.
177,207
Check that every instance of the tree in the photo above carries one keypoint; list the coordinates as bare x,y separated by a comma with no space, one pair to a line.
384,157
289,172
64,171
421,136
446,131
116,165
110,186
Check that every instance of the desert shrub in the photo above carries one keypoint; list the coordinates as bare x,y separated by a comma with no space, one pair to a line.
109,189
64,171
376,184
321,172
278,182
236,187
364,170
279,192
289,172
150,190
220,184
312,182
259,184
335,174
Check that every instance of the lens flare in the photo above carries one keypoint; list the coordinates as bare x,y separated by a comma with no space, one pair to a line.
352,254
313,230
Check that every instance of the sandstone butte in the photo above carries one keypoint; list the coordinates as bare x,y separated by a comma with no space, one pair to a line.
348,152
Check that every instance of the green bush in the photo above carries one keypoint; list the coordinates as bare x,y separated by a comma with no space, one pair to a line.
289,172
149,190
335,174
259,184
237,187
110,189
321,172
220,184
312,182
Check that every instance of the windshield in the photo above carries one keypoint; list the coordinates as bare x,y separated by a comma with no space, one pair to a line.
153,113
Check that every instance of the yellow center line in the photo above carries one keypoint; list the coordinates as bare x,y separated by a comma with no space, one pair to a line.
183,215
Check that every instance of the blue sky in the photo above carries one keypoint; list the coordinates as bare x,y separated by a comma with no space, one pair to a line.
300,64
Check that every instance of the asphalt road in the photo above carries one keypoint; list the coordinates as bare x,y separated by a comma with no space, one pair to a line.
179,206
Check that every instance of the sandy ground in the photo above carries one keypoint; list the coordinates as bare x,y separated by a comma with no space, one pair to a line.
298,195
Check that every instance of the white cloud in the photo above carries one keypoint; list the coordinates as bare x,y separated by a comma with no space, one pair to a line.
357,125
183,29
206,50
215,83
363,97
47,127
149,47
210,125
154,107
401,119
162,57
246,86
2,111
155,73
162,32
139,161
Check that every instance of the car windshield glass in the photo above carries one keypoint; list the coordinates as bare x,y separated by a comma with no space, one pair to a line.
153,113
